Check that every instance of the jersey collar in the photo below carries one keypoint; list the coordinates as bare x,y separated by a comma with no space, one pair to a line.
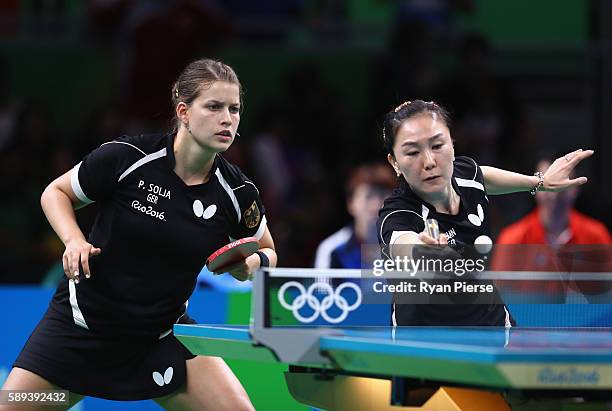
408,193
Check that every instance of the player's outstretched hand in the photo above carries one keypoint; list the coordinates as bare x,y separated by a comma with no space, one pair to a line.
243,270
428,240
557,177
428,249
78,251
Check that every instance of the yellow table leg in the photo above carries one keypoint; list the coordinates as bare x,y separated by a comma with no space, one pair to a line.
347,393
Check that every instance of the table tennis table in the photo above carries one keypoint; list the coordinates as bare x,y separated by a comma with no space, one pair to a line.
426,368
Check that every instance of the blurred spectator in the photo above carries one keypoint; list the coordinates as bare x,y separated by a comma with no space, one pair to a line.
551,233
366,189
554,221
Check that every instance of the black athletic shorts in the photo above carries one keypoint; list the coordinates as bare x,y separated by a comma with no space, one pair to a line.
105,366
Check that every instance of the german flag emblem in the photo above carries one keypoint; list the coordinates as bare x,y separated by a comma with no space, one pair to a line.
252,216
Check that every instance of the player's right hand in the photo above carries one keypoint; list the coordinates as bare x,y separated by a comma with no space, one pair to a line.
78,251
428,240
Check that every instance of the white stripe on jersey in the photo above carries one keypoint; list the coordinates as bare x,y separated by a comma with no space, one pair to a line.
424,212
77,315
248,182
461,182
164,334
76,186
261,229
144,160
123,142
475,169
393,212
229,191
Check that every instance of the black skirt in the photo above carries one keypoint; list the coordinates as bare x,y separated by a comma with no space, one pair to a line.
113,367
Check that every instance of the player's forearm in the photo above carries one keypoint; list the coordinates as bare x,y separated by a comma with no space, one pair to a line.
58,209
266,244
403,245
498,181
271,254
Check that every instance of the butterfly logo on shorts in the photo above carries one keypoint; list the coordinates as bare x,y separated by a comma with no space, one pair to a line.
165,379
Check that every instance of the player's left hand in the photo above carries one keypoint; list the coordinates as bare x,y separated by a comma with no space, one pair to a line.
556,178
243,270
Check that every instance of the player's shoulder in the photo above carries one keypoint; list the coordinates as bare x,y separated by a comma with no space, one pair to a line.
465,168
142,143
136,146
232,174
402,211
402,198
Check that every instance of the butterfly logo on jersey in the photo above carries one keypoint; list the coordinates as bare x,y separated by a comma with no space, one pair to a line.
252,216
199,211
165,379
477,219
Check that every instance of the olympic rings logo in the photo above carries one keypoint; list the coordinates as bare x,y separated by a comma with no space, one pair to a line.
319,307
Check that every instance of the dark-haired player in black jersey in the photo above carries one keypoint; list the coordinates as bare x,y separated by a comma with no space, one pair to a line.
434,184
166,203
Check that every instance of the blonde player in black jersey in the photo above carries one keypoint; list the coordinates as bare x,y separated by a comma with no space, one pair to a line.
166,201
434,184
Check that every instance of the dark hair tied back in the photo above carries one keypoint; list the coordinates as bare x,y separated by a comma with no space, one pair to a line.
200,74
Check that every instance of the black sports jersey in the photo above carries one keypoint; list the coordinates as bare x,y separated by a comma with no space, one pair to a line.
405,211
155,233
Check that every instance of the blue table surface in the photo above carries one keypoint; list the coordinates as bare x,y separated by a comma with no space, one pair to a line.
484,344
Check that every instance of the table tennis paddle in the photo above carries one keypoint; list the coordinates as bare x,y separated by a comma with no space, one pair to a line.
231,254
432,228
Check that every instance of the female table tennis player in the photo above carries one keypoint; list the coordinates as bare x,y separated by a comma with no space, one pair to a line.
434,184
166,203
